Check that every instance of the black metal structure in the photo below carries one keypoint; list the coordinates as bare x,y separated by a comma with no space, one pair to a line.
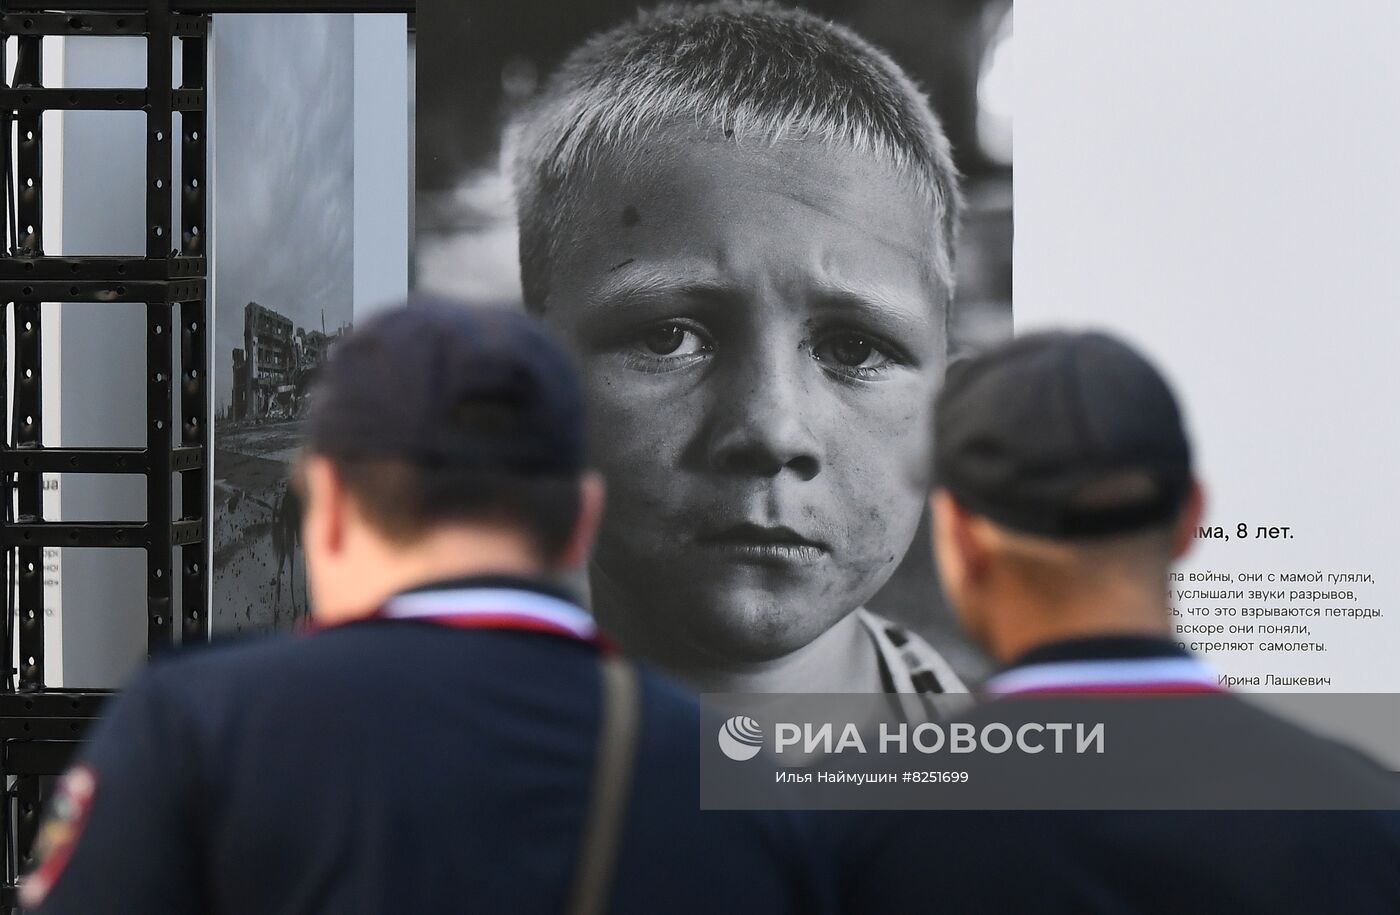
38,725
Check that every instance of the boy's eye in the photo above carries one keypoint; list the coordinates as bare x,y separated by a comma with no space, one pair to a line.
673,340
852,351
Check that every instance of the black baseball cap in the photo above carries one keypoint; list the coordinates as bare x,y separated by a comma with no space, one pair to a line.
440,384
1028,434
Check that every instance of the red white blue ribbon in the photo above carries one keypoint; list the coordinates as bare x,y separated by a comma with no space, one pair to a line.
494,608
1117,675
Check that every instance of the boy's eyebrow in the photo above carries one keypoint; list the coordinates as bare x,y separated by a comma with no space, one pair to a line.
645,282
876,297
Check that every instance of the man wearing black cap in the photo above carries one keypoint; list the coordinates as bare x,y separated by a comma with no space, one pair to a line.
1064,492
455,735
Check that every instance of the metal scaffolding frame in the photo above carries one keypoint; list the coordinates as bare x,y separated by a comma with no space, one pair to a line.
39,725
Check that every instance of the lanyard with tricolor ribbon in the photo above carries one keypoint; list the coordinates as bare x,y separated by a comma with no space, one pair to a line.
1117,675
495,608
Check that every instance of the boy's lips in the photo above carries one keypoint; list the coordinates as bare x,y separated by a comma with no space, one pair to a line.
762,543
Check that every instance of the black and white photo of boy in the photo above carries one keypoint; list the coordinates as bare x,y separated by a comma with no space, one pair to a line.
743,219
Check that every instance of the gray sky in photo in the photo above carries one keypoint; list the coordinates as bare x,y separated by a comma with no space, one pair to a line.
283,174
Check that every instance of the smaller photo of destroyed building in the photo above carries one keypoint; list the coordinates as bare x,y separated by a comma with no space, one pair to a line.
258,572
283,277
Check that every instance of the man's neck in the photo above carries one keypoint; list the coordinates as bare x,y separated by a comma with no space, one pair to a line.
386,570
1025,621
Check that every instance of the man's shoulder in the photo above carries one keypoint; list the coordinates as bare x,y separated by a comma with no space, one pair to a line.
1209,751
1348,774
230,657
222,655
307,655
233,672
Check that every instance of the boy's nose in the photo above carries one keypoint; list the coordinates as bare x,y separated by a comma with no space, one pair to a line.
761,426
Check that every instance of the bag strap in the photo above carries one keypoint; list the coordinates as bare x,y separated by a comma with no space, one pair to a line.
612,784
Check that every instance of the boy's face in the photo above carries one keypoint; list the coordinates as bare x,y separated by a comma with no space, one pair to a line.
761,336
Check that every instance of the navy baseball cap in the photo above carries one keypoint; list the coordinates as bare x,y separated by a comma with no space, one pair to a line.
441,384
1029,433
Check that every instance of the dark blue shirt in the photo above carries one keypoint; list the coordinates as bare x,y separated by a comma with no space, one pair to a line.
401,766
1072,862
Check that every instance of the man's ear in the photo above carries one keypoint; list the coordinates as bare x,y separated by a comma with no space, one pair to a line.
1184,533
324,511
959,554
590,514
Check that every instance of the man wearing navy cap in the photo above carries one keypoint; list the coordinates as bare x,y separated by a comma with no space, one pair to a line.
455,735
1064,493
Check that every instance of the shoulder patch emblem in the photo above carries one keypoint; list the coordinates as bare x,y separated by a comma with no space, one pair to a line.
63,825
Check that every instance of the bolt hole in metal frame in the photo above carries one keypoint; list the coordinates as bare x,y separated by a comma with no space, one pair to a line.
39,726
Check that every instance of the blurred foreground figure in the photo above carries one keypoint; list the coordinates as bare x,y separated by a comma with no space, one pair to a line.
1065,491
453,737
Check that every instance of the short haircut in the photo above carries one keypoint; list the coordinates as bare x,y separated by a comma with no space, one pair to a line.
405,501
753,71
1149,546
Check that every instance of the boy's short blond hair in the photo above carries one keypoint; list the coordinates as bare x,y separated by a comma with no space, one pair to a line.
755,72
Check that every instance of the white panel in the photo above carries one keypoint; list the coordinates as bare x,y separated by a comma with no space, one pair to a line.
1218,182
381,161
